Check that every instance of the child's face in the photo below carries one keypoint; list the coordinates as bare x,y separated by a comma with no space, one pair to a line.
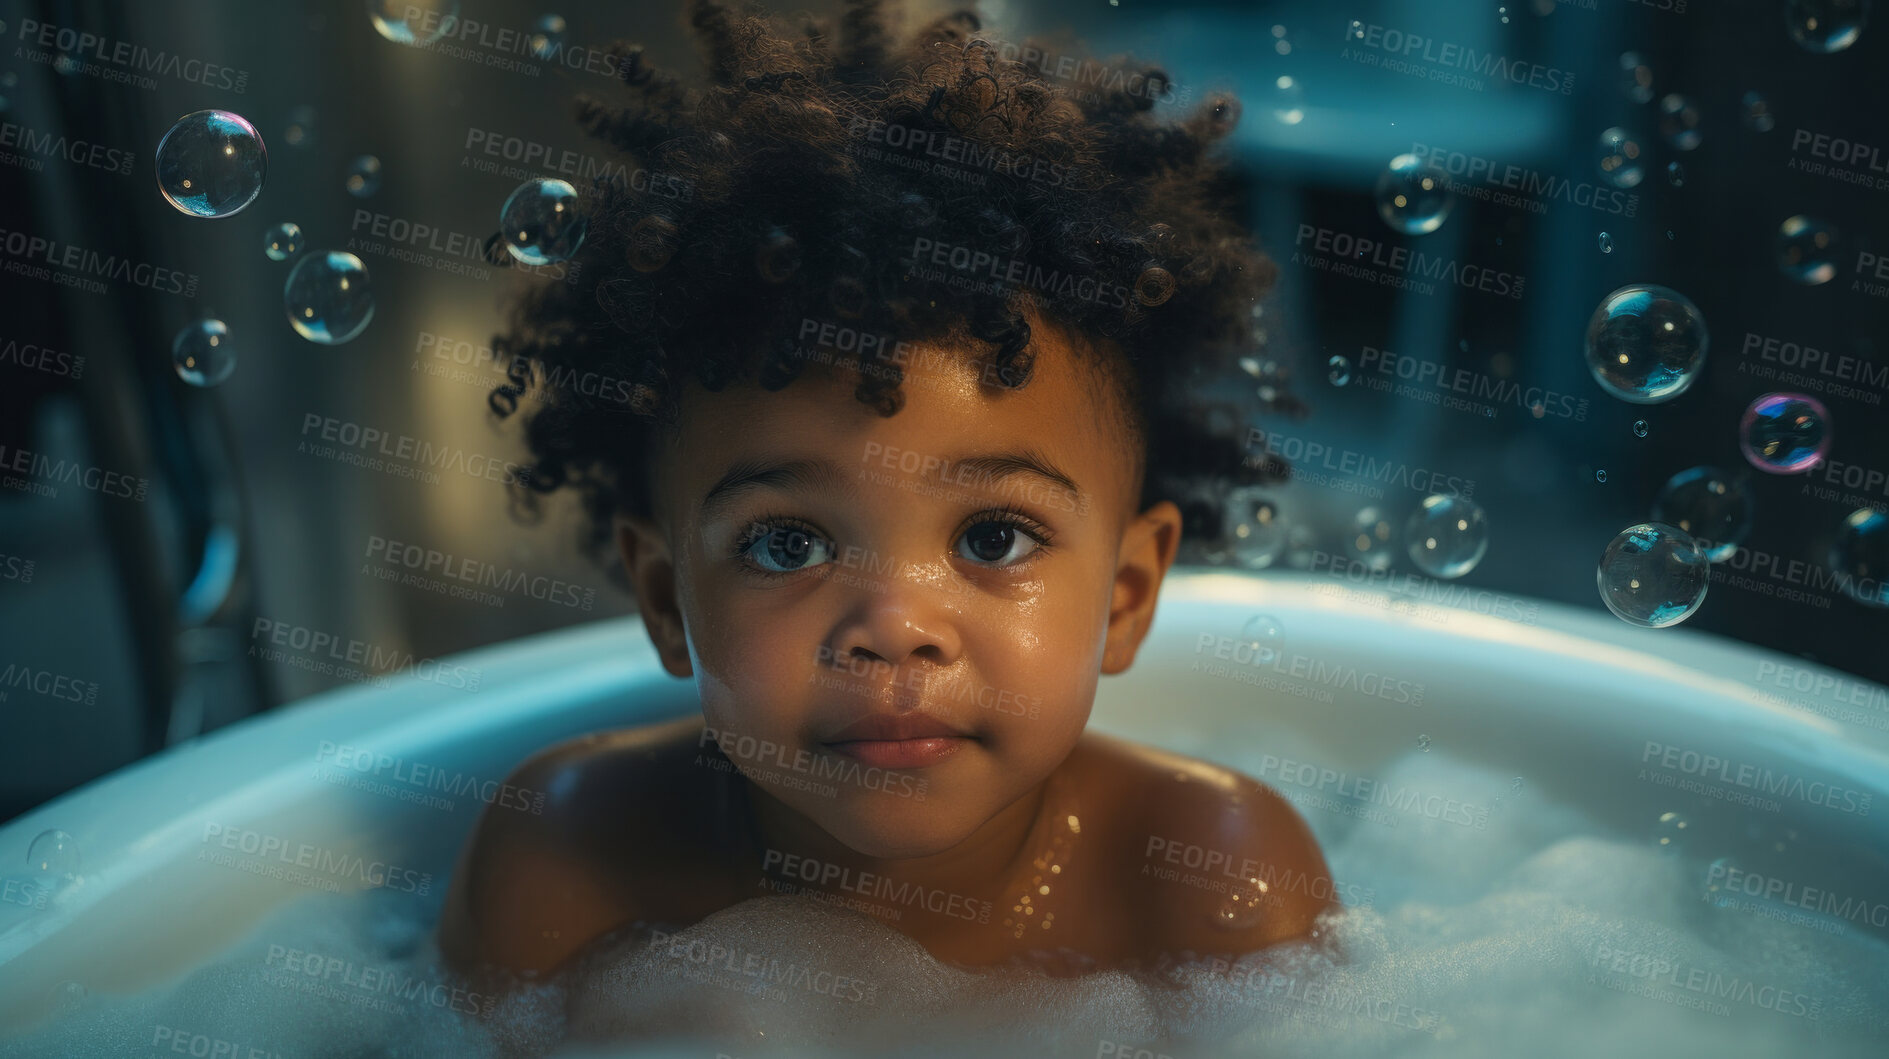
886,577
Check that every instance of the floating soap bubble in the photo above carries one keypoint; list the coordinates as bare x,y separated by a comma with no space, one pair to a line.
1287,98
1620,158
203,354
1606,243
363,176
1806,250
211,163
1670,832
1679,122
1413,195
1447,535
1710,505
1860,556
1756,112
541,222
1600,476
1640,430
53,857
1636,78
282,241
1370,540
328,297
415,22
547,36
301,128
1785,433
1255,530
1825,25
1653,575
1646,343
1340,370
1263,634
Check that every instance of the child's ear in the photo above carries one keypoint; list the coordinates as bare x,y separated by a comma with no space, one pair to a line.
1148,548
652,573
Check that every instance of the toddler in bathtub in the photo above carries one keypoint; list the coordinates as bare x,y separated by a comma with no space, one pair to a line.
873,370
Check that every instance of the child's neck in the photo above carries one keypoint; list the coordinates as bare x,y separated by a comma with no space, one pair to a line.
979,867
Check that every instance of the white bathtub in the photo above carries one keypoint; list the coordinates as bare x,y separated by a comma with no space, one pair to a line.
1572,703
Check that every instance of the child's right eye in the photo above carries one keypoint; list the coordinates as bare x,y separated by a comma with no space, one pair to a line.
785,549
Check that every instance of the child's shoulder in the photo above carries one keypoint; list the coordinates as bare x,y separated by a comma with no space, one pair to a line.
1213,860
533,885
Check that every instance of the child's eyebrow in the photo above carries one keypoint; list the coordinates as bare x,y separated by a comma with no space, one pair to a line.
979,469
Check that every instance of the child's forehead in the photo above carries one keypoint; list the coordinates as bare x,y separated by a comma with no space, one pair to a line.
952,406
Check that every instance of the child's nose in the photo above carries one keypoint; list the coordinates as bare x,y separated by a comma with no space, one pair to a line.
898,626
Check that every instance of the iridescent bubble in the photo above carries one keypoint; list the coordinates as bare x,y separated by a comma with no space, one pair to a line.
1636,78
541,222
1645,343
203,354
301,128
1264,636
54,855
1806,250
1710,505
1600,476
1370,540
1860,556
416,22
1785,433
1669,832
1825,25
363,176
1620,158
1255,530
1339,370
282,241
1639,431
1756,112
1287,99
1447,535
1413,195
328,297
1606,243
211,163
1653,575
1675,174
1679,122
547,36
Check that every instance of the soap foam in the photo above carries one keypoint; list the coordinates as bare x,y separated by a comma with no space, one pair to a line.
1535,933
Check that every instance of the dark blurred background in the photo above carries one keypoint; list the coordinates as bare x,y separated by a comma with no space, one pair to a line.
127,622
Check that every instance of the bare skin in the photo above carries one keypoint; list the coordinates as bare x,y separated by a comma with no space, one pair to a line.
909,579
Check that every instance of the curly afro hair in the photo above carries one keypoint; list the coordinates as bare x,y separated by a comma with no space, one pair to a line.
929,189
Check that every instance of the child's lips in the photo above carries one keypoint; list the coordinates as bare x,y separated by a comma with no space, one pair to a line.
895,741
901,753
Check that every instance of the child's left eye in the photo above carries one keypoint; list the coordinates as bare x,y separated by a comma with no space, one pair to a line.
996,541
